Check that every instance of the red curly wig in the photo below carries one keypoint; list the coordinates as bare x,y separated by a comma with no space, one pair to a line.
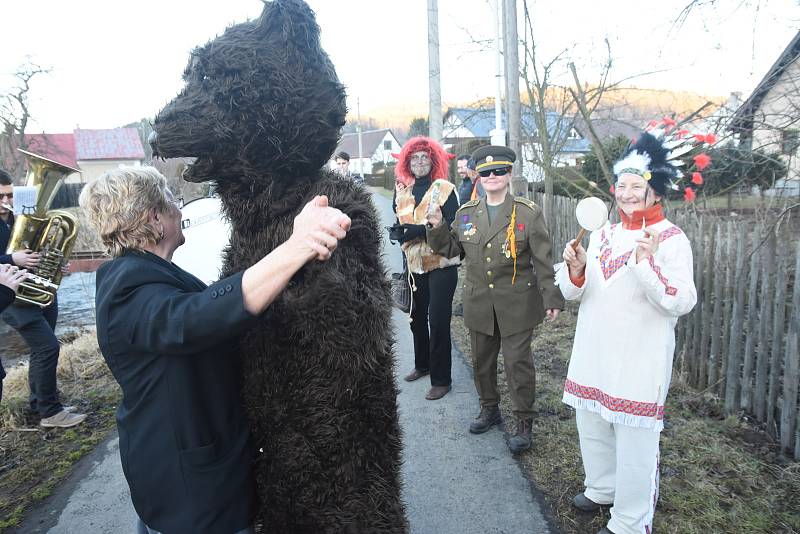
439,167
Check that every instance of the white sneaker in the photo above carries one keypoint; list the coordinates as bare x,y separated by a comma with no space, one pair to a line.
63,419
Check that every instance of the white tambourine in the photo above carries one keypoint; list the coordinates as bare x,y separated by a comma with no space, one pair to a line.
592,214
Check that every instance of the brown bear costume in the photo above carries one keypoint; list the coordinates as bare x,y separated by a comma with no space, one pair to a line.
261,111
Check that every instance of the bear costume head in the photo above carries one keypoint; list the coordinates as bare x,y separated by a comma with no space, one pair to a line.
261,102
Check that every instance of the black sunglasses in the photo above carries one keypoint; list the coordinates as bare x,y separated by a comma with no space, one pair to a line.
497,172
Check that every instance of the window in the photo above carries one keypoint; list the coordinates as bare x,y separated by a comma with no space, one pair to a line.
790,140
387,145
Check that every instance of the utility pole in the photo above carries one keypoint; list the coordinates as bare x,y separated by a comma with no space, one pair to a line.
519,185
358,131
498,135
434,78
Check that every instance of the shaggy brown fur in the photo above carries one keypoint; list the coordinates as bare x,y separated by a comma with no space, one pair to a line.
261,112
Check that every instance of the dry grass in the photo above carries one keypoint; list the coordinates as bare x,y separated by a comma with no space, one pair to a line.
32,459
718,475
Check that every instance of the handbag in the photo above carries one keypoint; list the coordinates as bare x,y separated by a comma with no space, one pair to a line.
401,290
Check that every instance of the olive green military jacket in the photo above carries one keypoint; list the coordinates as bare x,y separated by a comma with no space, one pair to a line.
489,270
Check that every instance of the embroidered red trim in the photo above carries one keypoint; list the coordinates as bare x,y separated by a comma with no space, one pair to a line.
668,289
611,267
615,404
669,232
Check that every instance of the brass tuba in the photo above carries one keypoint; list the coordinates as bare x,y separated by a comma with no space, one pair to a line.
50,233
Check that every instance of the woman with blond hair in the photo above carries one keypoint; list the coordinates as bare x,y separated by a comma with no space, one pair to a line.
170,342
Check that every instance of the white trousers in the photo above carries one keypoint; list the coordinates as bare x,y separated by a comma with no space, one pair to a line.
621,466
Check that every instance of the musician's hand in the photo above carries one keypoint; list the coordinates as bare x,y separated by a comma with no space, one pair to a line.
648,245
552,314
25,259
318,228
399,187
65,268
575,259
11,276
434,216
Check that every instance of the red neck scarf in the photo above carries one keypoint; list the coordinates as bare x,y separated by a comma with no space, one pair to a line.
650,216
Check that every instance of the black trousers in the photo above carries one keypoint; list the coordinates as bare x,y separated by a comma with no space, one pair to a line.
37,327
430,322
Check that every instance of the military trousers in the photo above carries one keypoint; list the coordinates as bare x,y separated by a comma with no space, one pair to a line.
518,364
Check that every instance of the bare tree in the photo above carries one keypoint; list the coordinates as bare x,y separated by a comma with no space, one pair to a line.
15,113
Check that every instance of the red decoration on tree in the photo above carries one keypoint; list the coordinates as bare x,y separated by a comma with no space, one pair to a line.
652,124
711,139
702,161
611,189
680,134
697,178
700,138
669,123
688,194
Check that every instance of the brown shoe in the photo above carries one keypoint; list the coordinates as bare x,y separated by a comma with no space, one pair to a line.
489,416
416,374
63,419
521,440
437,392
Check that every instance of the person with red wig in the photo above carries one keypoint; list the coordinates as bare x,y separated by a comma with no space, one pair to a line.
422,171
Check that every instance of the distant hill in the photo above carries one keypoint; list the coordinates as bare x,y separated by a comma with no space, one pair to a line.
629,104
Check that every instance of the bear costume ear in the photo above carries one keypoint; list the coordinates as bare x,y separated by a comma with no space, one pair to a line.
293,19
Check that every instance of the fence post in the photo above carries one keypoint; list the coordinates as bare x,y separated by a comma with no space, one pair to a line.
714,355
734,345
779,317
708,289
746,401
698,364
765,320
791,367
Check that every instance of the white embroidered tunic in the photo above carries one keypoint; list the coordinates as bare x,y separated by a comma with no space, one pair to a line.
621,362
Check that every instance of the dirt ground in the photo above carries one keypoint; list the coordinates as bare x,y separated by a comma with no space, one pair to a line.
33,460
718,475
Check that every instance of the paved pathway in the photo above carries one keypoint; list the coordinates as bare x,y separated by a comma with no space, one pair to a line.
454,482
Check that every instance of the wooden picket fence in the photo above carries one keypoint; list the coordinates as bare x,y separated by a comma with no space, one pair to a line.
740,341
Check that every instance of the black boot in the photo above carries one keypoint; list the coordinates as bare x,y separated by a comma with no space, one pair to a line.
490,415
521,440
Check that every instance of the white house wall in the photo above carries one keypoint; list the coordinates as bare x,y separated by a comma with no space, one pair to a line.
780,110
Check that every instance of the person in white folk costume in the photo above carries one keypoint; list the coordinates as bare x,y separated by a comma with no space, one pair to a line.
634,281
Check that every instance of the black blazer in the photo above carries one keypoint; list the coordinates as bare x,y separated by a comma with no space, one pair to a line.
184,442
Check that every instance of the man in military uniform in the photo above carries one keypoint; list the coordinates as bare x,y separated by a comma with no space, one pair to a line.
509,287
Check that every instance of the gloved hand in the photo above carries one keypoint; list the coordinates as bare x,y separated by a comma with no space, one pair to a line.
412,231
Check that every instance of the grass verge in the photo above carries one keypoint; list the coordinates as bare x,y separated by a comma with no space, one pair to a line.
720,475
33,460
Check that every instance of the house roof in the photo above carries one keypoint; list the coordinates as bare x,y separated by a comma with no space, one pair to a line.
608,128
369,142
57,147
117,143
480,121
743,118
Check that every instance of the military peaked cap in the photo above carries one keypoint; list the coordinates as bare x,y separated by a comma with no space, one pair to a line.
491,157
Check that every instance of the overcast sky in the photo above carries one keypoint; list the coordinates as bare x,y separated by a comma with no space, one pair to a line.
114,62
